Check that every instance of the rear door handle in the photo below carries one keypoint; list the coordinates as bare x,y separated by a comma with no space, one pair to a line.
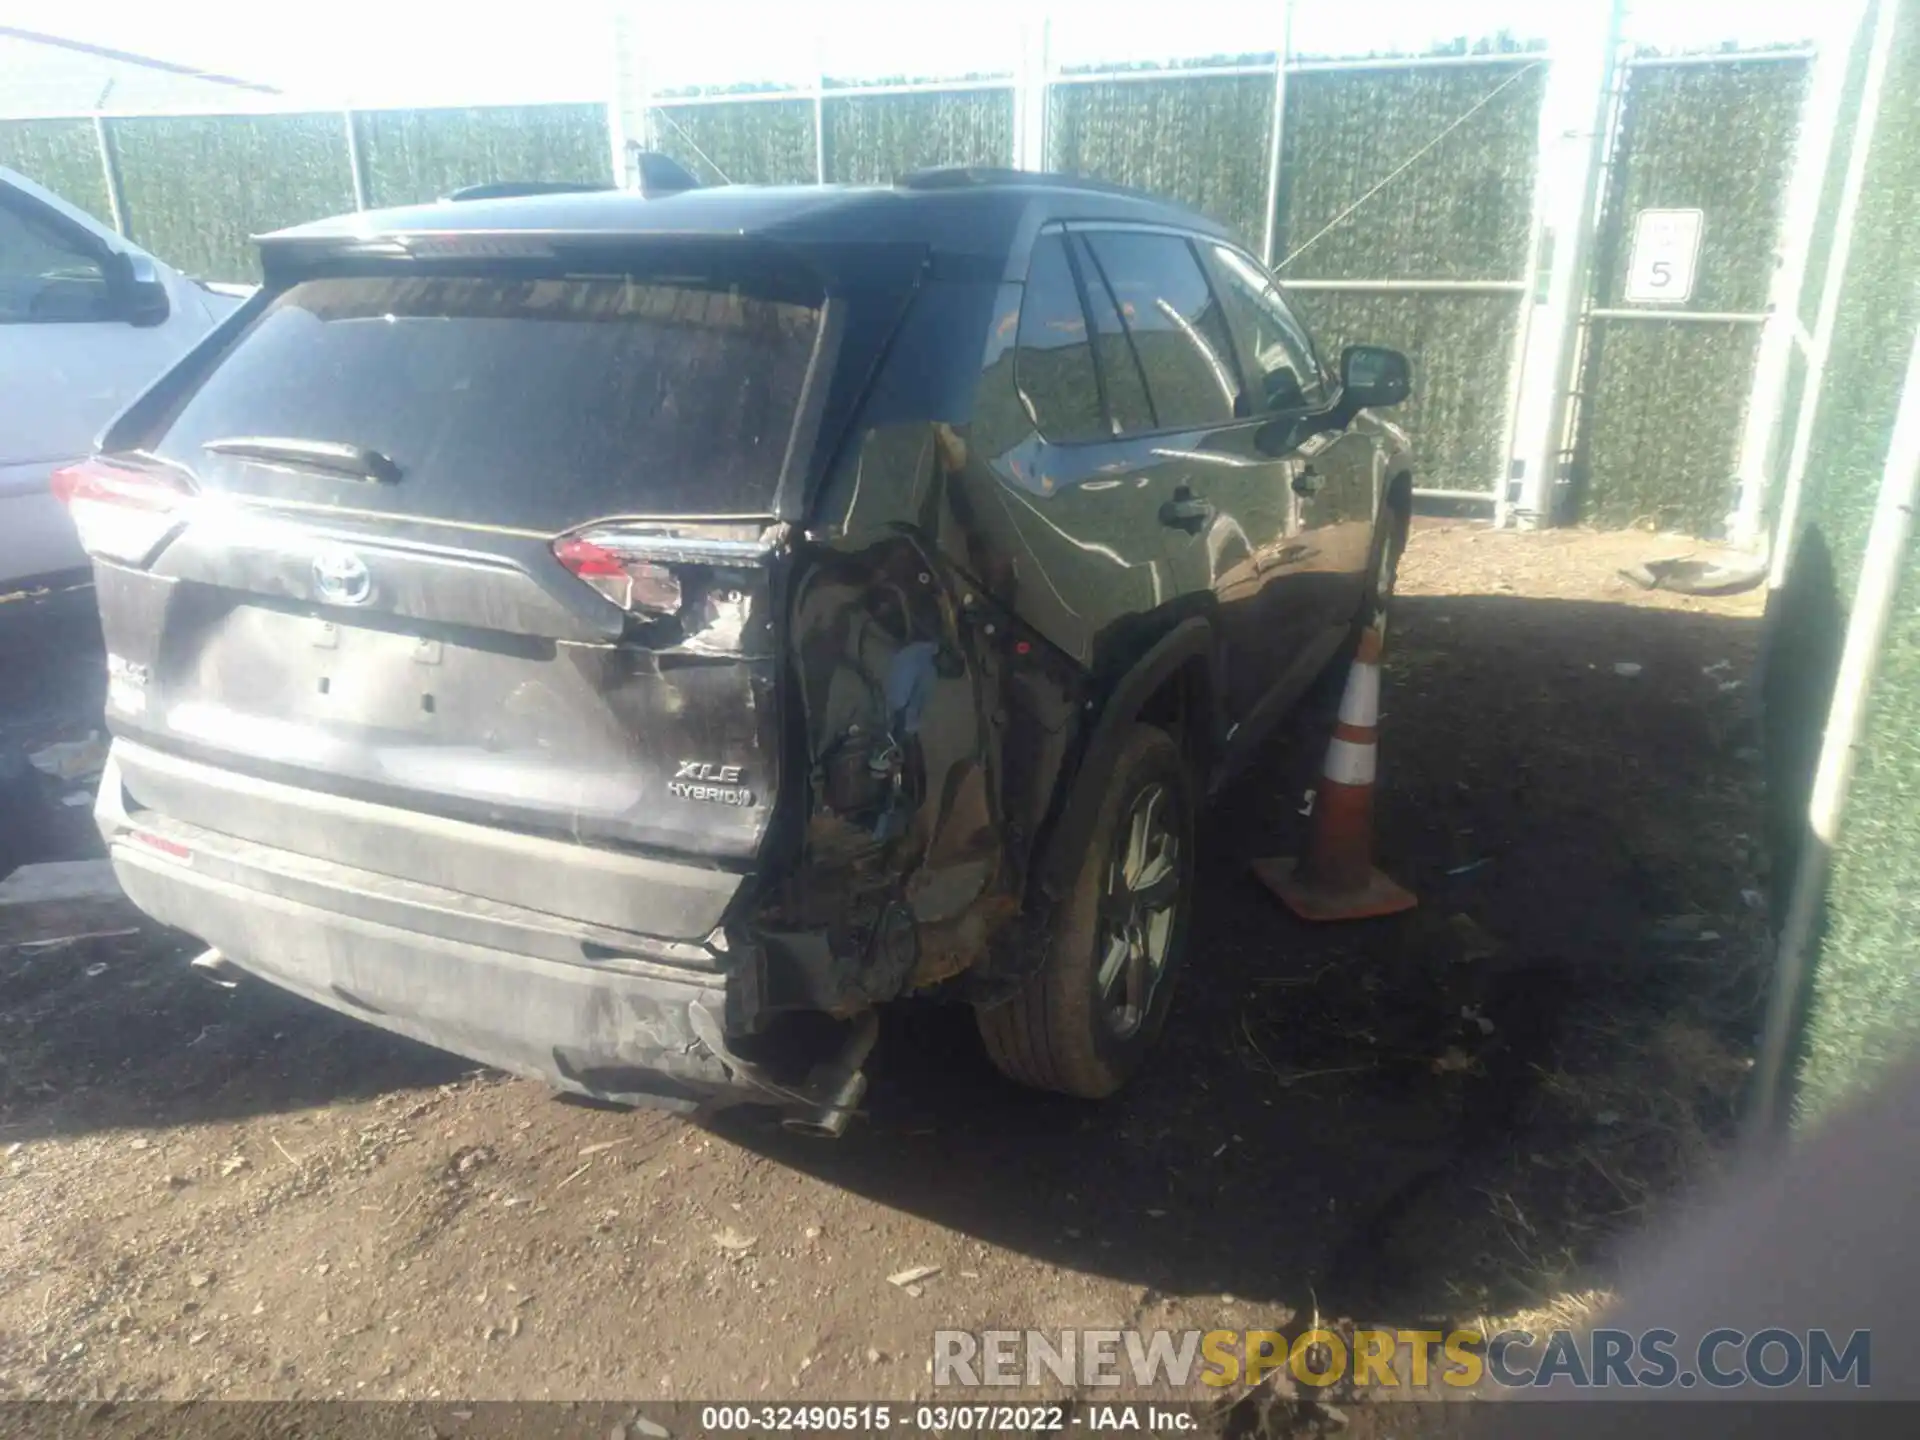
1308,481
1185,511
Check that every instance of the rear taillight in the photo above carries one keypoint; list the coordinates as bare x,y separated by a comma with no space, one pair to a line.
121,513
610,566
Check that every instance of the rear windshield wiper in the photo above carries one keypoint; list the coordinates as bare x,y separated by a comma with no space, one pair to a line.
357,461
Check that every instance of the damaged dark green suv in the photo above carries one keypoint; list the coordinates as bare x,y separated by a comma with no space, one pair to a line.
629,640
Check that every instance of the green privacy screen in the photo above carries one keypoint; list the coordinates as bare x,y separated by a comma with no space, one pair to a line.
408,156
1666,400
1864,1003
1461,347
1202,141
740,142
62,155
1460,211
196,188
875,139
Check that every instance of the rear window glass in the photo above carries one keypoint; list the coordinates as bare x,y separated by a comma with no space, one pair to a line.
537,402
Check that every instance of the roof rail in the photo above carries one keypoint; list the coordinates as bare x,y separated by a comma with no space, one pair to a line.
957,177
507,189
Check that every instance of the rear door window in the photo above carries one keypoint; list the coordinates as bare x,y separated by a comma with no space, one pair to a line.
1054,365
537,402
1178,331
1127,400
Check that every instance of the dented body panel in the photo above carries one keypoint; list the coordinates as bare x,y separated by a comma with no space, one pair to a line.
378,745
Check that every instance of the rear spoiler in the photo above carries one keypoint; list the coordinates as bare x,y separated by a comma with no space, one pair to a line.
658,174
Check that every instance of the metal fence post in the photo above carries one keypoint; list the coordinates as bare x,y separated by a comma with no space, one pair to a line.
355,171
617,98
1576,114
820,107
1030,98
1820,342
110,172
1274,131
629,115
1875,596
1819,120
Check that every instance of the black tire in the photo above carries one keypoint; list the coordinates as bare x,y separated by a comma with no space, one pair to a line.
1057,1032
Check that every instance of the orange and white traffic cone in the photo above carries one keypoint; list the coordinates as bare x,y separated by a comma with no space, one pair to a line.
1337,879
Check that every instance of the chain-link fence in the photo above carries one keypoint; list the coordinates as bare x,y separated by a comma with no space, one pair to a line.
195,189
1395,196
1665,387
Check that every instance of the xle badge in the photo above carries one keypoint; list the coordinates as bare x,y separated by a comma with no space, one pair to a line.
715,784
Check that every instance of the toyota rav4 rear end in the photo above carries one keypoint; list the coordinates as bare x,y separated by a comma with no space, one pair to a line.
441,587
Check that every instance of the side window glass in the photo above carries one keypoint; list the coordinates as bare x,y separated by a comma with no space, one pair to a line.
1185,348
1274,351
1127,400
1053,365
46,276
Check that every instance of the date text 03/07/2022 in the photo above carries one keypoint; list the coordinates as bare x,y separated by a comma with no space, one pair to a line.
881,1417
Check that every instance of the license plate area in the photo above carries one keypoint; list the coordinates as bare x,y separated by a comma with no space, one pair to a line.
372,679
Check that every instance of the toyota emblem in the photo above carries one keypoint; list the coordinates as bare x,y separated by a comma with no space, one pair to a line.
340,577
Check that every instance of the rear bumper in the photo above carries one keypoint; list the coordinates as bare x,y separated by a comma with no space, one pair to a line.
614,1015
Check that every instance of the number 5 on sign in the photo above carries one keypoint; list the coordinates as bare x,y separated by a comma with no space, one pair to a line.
1666,254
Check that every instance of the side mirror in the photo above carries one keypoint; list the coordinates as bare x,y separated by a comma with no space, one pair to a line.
1374,377
139,294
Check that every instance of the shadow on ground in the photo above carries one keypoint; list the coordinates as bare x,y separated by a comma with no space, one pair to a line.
1436,1115
1430,1115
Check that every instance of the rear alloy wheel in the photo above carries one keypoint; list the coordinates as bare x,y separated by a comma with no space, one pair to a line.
1086,1018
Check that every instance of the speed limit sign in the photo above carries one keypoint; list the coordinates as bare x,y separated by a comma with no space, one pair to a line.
1665,256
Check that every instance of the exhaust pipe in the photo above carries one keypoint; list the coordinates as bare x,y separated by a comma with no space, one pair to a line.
216,969
828,1120
840,1084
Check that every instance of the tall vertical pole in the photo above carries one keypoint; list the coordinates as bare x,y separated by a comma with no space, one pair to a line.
1535,276
1030,97
629,116
1576,116
820,106
110,172
355,172
1800,215
617,97
1848,210
1887,557
1275,130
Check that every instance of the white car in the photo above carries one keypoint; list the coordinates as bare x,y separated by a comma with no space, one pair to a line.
87,321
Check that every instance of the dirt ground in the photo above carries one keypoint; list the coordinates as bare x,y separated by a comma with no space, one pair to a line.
1449,1115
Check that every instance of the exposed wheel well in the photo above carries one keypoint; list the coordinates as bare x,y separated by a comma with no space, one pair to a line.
1183,706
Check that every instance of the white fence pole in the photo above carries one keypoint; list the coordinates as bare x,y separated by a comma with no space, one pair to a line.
1576,113
1887,556
356,173
1030,98
1820,343
820,107
629,115
110,173
1275,132
1826,91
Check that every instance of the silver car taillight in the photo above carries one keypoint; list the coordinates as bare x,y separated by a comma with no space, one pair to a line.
122,513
